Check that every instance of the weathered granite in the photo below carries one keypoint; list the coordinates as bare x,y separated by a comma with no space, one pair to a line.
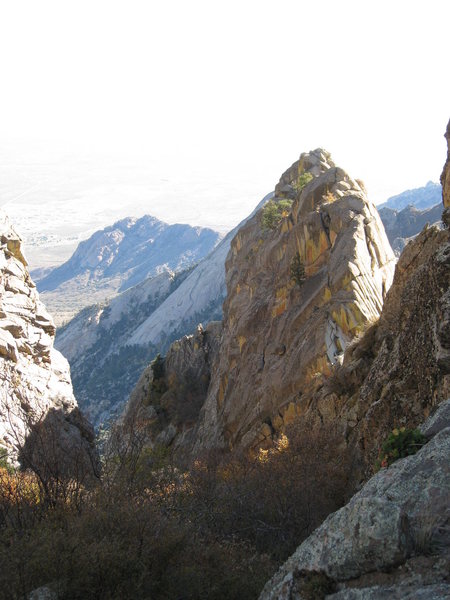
35,385
383,525
278,337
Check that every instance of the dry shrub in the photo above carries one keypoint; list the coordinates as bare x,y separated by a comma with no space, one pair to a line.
275,500
149,530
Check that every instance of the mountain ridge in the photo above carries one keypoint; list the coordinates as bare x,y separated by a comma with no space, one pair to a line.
120,256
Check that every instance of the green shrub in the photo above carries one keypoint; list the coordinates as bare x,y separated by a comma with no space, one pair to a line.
297,270
400,443
302,181
273,211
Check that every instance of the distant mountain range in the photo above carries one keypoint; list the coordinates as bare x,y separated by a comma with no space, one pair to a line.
118,257
402,225
109,344
423,197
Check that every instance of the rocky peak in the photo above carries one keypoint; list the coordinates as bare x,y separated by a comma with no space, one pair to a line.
300,286
34,377
281,331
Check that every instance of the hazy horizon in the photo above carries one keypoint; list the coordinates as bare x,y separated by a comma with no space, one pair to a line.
191,111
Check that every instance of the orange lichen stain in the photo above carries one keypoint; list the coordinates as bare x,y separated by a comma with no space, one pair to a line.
281,295
289,414
327,294
349,318
233,363
171,380
320,367
222,388
285,225
279,309
241,341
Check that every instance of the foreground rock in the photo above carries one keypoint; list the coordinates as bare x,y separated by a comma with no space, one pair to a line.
400,515
37,406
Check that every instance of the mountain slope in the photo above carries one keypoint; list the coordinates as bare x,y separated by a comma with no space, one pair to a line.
403,225
121,256
109,345
424,197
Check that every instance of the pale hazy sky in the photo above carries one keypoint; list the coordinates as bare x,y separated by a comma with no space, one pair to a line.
231,89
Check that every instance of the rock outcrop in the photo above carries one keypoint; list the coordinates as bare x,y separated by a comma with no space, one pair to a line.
281,333
283,328
36,397
390,541
167,405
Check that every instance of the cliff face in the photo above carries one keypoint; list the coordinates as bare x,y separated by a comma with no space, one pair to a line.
35,386
280,334
299,290
392,539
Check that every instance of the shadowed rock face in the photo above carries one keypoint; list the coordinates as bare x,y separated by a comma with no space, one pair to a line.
34,377
278,336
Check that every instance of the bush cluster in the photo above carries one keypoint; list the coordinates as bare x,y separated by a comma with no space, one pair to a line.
148,529
302,181
400,443
273,211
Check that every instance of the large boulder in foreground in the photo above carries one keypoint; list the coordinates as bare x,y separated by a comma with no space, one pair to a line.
38,411
390,541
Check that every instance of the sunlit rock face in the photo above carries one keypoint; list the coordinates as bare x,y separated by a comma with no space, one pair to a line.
279,332
35,385
278,336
